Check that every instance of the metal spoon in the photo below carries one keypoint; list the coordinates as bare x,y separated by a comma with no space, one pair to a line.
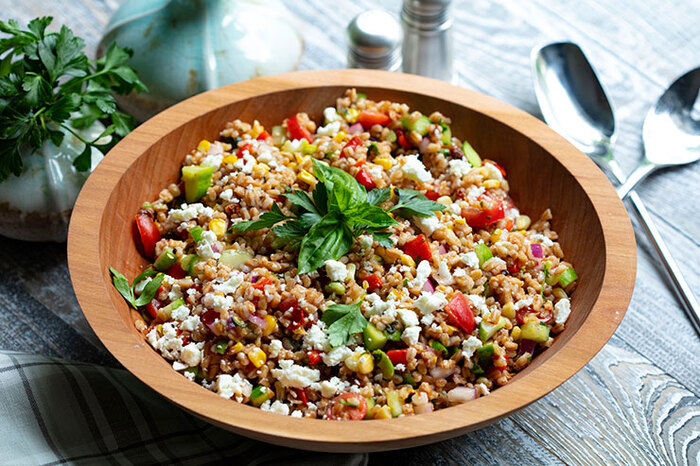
574,104
671,136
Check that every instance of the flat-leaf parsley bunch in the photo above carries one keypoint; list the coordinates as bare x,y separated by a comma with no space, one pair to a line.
47,82
338,210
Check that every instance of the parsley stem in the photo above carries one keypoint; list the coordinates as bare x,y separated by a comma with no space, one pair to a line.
70,130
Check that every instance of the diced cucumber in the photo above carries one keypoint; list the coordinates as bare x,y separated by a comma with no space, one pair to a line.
535,331
384,363
392,400
165,260
335,288
420,125
485,354
446,134
196,233
483,253
187,262
260,395
471,155
374,339
488,330
567,277
234,258
197,180
279,135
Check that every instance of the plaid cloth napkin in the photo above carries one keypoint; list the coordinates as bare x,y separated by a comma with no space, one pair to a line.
54,412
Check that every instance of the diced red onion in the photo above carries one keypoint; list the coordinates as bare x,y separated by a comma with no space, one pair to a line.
256,320
527,346
355,129
423,409
536,249
442,249
461,394
216,247
254,278
429,287
423,146
441,373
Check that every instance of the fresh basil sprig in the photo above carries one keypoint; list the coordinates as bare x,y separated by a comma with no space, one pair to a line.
47,83
343,320
121,283
338,210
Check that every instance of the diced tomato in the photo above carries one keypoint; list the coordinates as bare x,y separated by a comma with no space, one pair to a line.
264,135
513,268
359,163
401,138
297,318
521,313
509,224
148,235
347,407
418,248
432,195
353,143
209,317
296,131
314,357
176,271
487,213
369,119
244,147
500,168
301,396
460,312
365,179
374,282
397,356
260,284
152,308
545,315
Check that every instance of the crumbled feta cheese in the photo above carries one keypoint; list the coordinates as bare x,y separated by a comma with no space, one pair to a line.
459,272
408,317
274,348
218,303
459,167
455,208
543,239
400,367
470,345
336,271
231,285
293,375
204,247
376,306
427,224
330,387
245,164
213,161
494,173
474,193
169,345
297,413
175,293
483,389
523,303
189,212
422,273
444,277
427,319
470,259
413,169
228,386
277,407
190,323
329,130
410,335
562,310
191,355
266,157
365,241
178,366
430,302
330,114
226,194
316,337
479,303
336,355
180,313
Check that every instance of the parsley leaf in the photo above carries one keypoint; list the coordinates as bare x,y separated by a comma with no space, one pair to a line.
48,87
378,196
149,291
343,320
267,220
414,204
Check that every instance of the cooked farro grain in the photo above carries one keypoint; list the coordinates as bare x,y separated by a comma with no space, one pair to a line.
453,307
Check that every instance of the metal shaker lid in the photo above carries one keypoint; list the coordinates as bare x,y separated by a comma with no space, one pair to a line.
374,39
426,13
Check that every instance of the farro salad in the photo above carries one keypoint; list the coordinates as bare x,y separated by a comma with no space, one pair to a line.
367,266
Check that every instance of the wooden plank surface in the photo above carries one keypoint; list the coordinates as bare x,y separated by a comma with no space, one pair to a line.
637,401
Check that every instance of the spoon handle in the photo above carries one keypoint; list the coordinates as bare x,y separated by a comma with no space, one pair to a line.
639,173
690,304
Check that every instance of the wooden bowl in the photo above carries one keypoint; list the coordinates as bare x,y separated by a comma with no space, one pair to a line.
543,169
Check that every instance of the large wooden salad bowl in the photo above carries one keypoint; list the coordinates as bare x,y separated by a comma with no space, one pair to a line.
543,169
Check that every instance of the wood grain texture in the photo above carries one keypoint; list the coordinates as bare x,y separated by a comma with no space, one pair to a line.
637,48
545,172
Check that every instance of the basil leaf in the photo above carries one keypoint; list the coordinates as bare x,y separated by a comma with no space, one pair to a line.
328,239
122,285
142,276
301,199
150,290
320,196
378,196
343,190
414,204
343,320
369,216
266,220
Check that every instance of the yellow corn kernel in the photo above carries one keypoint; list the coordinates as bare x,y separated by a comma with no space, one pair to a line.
381,412
300,158
408,260
365,363
496,235
515,333
450,329
306,177
237,348
559,293
522,222
257,357
230,159
391,192
444,200
365,285
390,214
508,310
339,136
483,172
218,227
492,184
257,129
292,165
351,115
264,167
270,325
385,162
351,361
460,221
203,145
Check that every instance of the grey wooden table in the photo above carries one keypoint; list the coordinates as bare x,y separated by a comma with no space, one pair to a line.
638,401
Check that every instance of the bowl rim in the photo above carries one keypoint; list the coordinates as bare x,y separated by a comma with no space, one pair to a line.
84,259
